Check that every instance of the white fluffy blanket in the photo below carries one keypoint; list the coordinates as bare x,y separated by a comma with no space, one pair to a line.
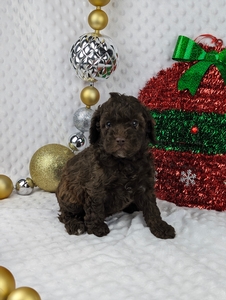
129,263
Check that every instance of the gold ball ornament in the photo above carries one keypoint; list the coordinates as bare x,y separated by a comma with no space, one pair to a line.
24,293
6,186
46,165
7,283
98,19
99,2
90,96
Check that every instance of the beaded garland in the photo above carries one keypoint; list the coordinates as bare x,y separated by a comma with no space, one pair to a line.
190,155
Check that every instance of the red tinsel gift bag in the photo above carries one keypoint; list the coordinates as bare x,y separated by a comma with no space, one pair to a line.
188,103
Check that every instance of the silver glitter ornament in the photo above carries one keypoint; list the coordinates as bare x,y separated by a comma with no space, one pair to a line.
24,186
82,118
77,141
94,57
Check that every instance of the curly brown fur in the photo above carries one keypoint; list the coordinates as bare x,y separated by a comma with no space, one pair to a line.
114,173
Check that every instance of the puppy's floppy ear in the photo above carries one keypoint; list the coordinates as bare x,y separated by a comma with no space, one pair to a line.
151,130
150,123
94,131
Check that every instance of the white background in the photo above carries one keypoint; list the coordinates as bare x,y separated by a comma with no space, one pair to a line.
39,91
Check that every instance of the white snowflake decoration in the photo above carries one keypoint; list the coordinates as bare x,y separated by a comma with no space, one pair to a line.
188,178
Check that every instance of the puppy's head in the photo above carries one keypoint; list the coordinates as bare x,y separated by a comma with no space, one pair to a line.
123,126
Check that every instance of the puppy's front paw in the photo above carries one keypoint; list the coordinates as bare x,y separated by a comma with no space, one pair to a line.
75,227
99,230
163,230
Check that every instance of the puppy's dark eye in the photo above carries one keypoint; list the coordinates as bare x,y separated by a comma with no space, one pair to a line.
135,123
108,124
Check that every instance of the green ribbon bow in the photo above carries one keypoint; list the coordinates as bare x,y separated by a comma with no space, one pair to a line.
188,50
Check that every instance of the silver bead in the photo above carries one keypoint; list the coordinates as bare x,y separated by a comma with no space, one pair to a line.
82,118
94,57
77,141
24,186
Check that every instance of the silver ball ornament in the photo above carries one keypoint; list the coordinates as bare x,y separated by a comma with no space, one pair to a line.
77,141
94,57
24,186
82,118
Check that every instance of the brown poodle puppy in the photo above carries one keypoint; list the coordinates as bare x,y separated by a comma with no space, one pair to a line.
114,173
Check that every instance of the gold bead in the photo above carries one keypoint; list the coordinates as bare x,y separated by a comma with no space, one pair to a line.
90,95
25,293
7,283
98,19
46,166
6,186
99,2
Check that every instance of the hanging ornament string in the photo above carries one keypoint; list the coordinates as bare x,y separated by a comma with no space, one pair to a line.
213,40
94,58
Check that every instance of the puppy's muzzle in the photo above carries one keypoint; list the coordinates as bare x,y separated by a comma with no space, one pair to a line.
120,141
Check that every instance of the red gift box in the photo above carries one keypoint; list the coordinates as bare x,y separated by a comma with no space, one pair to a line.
188,103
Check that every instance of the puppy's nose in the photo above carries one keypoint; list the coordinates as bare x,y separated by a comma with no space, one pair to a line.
120,141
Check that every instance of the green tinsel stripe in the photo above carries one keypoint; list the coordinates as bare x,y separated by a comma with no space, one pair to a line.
173,131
